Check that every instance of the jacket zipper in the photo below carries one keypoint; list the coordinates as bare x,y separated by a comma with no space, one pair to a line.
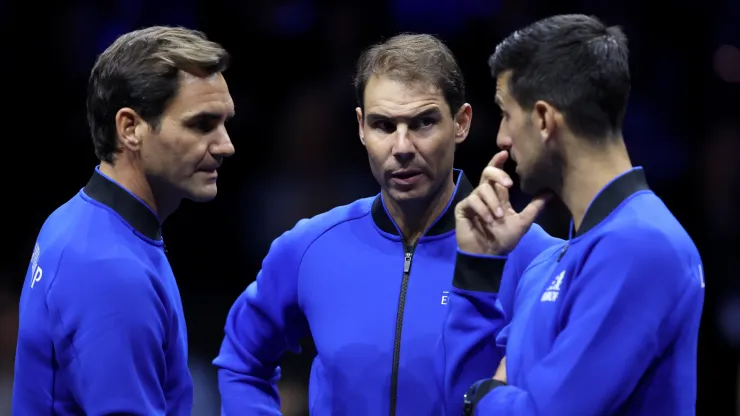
408,256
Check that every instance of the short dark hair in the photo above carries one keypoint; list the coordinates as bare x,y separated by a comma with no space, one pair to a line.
575,63
140,70
412,57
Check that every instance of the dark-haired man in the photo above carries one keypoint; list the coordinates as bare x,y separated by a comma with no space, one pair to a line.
606,323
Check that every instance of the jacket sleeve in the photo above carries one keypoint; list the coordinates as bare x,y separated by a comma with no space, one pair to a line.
618,321
473,339
109,324
264,322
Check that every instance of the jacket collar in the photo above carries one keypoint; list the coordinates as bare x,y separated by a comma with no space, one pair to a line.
138,215
444,223
611,197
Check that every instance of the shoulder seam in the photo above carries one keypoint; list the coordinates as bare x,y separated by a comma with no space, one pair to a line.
56,272
62,255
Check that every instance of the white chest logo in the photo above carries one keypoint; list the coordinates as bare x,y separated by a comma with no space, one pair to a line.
552,291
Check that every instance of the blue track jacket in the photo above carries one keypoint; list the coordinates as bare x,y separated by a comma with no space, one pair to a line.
605,324
101,330
374,307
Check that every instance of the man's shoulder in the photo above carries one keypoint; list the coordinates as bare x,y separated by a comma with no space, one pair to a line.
645,217
80,242
537,239
82,239
81,218
653,244
113,271
655,231
535,244
307,230
64,216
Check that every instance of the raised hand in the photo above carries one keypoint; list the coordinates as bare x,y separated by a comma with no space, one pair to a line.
485,221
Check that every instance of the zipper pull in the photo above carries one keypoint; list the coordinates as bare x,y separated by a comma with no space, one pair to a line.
407,263
562,253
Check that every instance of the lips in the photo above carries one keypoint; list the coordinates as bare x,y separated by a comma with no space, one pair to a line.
406,179
406,173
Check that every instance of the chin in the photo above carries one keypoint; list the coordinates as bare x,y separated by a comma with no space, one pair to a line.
417,193
543,176
203,194
529,187
401,196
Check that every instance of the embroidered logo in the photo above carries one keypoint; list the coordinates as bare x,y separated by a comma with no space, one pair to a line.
552,291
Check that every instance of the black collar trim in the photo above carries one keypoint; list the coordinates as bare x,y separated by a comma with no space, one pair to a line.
611,197
131,209
444,224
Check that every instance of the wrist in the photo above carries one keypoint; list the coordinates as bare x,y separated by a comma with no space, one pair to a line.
476,252
478,272
476,392
493,255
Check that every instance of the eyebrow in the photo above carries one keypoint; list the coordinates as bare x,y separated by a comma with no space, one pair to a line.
209,115
373,117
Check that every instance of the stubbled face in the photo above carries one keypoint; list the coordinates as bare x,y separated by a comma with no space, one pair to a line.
182,156
410,136
520,134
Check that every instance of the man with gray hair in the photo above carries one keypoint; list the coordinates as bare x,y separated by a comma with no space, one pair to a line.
101,329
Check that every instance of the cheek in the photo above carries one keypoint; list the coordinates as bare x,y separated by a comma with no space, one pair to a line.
445,152
165,142
186,144
533,150
378,149
179,150
437,147
521,137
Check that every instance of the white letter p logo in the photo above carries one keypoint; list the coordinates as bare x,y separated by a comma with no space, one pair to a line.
36,276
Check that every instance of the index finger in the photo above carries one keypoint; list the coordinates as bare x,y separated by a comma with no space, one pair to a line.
496,175
502,193
499,159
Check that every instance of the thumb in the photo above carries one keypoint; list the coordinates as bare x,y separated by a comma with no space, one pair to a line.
534,208
499,159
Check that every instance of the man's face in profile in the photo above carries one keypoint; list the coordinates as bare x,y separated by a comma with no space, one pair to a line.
186,150
518,135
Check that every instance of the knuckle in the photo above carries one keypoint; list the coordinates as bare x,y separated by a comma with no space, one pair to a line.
488,189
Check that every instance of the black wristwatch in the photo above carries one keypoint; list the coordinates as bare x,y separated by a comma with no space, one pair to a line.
476,392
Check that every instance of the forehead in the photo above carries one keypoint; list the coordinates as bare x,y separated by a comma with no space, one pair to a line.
202,94
396,98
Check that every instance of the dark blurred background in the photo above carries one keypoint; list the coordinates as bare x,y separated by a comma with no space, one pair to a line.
298,153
